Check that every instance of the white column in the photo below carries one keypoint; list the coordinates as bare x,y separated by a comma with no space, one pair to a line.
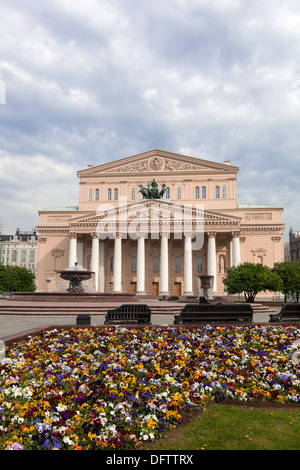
164,265
188,266
140,265
212,259
72,250
95,259
236,255
101,282
118,264
80,252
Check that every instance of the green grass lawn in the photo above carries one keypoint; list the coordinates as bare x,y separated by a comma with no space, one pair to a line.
230,427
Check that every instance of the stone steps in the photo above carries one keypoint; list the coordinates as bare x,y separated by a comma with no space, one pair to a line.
159,308
76,309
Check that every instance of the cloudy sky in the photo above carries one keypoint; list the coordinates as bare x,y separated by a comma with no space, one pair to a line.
91,82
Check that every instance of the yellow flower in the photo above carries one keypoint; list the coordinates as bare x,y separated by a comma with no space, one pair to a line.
92,436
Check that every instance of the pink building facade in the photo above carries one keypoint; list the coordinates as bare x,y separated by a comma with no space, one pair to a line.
156,246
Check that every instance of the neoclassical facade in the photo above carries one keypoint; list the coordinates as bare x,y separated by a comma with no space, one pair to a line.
156,246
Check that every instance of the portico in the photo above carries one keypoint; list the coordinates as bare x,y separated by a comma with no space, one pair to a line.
141,273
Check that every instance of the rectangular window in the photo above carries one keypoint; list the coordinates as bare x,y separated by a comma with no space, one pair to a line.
199,263
224,191
179,193
177,264
133,264
155,264
90,194
97,195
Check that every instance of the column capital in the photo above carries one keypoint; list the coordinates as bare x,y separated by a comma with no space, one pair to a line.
235,234
94,235
211,234
73,236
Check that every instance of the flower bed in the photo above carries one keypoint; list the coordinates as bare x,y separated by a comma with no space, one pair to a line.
113,388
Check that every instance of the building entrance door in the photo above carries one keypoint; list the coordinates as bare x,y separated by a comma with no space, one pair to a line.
133,288
155,288
177,288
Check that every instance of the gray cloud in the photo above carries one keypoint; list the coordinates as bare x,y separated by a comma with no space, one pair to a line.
100,80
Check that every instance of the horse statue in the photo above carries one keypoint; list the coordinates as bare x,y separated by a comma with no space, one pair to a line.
153,191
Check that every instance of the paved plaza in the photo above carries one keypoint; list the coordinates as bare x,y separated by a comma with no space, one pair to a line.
11,324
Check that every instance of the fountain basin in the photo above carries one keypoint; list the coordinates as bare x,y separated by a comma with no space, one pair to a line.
75,277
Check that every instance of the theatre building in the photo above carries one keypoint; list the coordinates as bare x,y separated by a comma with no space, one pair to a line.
185,223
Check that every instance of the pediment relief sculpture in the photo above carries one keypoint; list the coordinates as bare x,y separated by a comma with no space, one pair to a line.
157,164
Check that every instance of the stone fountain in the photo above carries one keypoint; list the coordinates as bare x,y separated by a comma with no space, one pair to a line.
206,283
75,275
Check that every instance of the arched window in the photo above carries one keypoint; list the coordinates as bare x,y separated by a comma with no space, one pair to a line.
116,194
133,263
133,194
14,256
109,194
31,256
179,192
155,263
97,195
203,192
224,191
197,194
23,256
167,193
217,192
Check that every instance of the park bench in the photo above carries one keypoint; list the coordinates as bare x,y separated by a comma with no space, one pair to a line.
128,314
288,312
214,313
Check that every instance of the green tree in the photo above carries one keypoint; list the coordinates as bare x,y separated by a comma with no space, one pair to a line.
289,272
16,279
251,279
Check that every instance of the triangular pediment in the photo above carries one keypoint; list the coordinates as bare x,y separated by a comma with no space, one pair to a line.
145,209
157,162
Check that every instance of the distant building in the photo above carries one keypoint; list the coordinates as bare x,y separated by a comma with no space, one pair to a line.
19,249
294,245
286,249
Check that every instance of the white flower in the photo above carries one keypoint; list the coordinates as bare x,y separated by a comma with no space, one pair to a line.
61,407
68,441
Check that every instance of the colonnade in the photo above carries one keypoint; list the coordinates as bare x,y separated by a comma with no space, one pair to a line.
98,259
